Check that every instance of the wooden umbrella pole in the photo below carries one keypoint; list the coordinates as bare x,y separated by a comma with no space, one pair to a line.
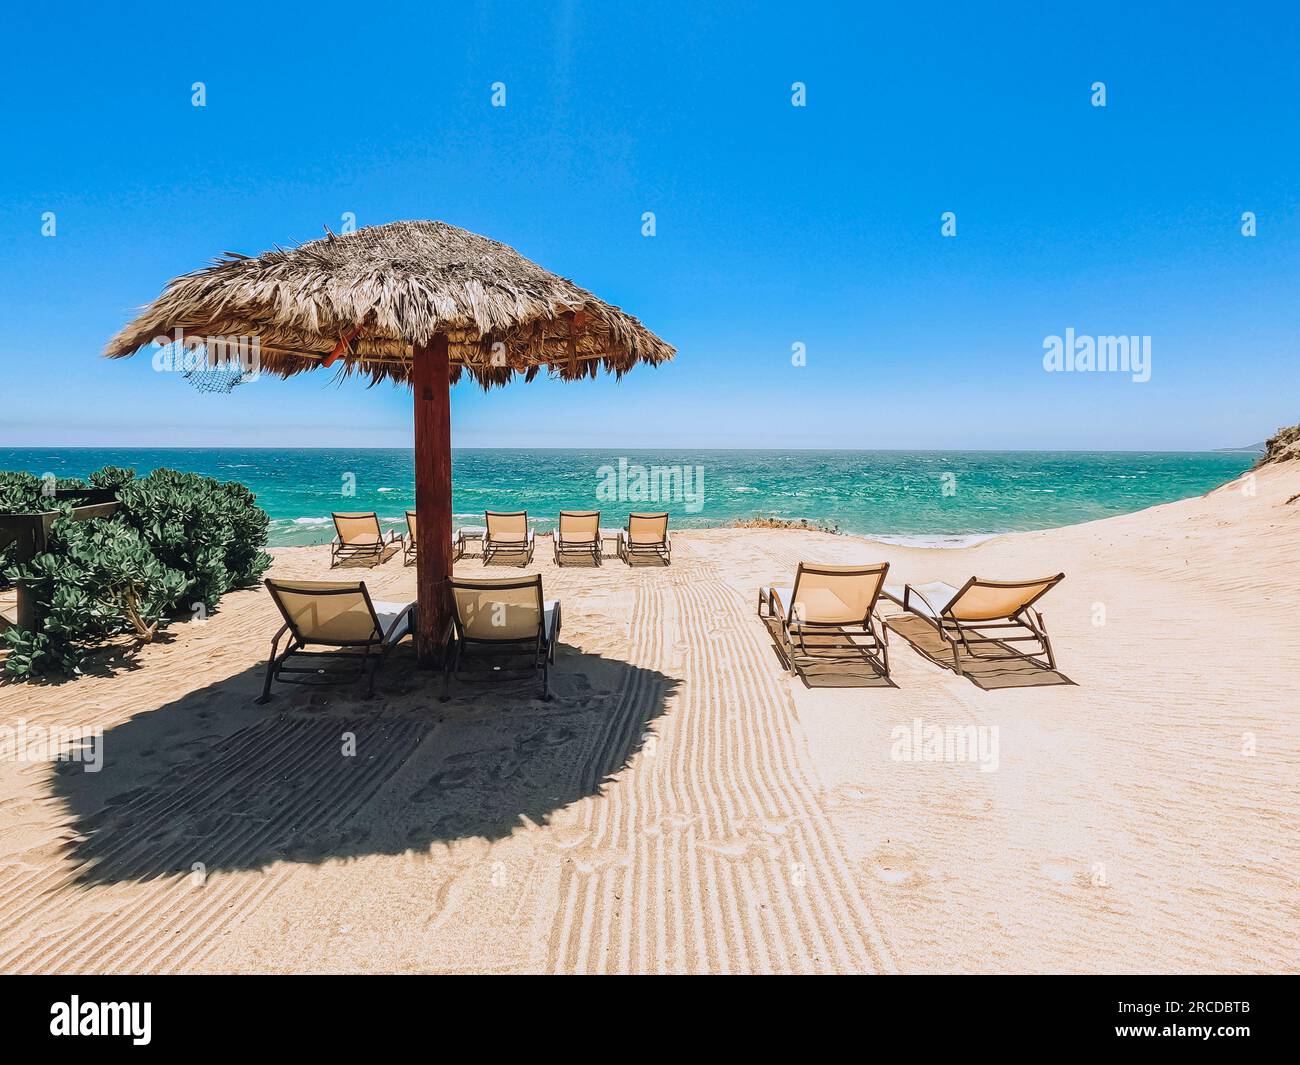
431,377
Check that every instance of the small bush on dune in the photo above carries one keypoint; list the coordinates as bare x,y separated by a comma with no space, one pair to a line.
177,540
213,532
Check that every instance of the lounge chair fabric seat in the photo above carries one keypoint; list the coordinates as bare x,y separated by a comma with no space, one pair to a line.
819,602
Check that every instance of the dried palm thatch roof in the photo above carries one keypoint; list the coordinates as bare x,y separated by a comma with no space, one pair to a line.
367,297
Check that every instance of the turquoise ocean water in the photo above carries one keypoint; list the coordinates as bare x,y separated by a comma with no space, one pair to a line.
913,496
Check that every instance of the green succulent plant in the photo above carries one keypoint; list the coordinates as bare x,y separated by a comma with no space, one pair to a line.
177,540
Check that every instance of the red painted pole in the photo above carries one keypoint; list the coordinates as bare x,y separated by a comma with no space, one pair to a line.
431,378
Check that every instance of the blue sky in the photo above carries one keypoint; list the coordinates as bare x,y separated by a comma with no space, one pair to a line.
776,225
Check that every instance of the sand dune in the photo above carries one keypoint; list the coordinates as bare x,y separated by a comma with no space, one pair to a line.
685,806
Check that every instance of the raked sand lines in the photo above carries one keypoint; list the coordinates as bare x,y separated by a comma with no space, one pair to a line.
216,817
711,852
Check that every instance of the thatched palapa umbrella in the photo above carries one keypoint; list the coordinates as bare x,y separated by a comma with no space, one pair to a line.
415,302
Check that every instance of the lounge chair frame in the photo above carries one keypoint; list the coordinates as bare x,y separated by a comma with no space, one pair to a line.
539,649
341,551
1026,625
662,549
409,542
491,547
593,549
366,656
865,640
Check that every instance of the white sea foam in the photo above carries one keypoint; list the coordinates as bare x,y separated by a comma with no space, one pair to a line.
961,540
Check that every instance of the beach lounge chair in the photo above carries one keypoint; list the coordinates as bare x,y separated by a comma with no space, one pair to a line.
409,542
646,534
963,616
502,617
829,615
507,533
339,615
578,534
358,536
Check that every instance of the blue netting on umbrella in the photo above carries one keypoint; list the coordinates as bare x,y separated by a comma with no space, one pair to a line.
218,379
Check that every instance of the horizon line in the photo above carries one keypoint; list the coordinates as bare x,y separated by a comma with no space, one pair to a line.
1251,450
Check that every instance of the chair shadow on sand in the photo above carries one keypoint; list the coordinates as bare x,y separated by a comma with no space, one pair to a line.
212,781
990,674
368,561
827,669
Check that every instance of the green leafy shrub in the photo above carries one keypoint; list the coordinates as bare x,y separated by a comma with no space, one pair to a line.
213,532
111,477
177,540
20,493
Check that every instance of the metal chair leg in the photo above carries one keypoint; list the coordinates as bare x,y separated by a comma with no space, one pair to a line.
271,664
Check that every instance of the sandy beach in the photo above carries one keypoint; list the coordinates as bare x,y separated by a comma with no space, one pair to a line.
683,804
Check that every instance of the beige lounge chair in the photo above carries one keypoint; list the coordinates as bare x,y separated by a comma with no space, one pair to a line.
508,533
578,534
332,614
502,617
646,534
829,615
409,542
962,615
358,536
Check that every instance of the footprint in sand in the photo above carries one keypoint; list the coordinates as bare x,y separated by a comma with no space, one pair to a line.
750,839
897,864
447,780
589,860
567,826
1064,871
556,736
740,849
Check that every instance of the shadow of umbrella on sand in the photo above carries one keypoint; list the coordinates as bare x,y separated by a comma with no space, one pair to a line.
421,303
